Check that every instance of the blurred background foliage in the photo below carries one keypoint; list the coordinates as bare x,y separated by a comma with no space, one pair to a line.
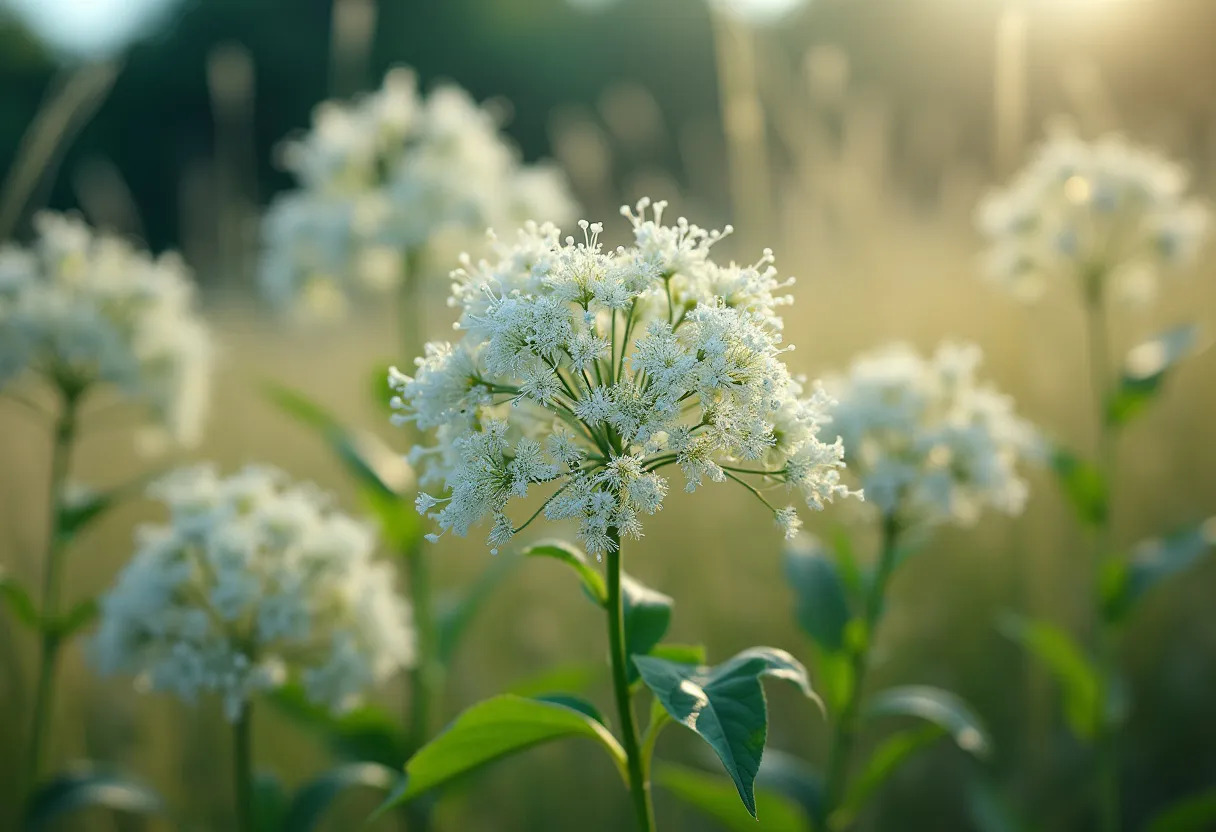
877,138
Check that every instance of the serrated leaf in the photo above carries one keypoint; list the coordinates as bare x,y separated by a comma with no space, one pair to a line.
1083,485
494,729
85,786
457,612
716,797
1146,368
576,559
725,705
820,605
795,778
646,617
884,762
19,602
1191,814
314,799
1077,675
940,707
367,733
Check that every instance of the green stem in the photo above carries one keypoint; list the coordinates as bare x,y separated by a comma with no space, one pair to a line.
425,677
1097,329
242,768
44,697
639,785
845,730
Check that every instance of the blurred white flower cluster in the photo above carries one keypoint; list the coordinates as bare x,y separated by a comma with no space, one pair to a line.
929,443
592,369
82,308
387,177
1097,212
254,582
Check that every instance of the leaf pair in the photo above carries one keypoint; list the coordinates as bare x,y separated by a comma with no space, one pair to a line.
64,626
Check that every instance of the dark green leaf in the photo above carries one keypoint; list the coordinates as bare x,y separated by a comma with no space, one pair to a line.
1155,560
88,786
565,677
77,618
575,702
725,704
457,613
494,729
316,796
366,733
269,803
1077,675
1083,485
1146,368
15,596
75,514
716,797
572,556
1193,814
884,762
940,707
788,775
647,615
820,605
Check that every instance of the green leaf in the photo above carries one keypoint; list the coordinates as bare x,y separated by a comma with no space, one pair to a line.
788,775
564,677
835,675
494,729
680,653
647,615
366,733
19,601
725,705
1077,675
377,385
88,786
820,604
315,797
1192,814
716,797
572,556
457,612
884,762
846,559
942,708
1083,485
574,702
1146,368
989,811
77,618
269,802
75,514
1155,560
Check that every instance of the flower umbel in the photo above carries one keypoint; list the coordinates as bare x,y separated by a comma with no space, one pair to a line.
391,172
588,370
252,583
1098,211
929,443
82,308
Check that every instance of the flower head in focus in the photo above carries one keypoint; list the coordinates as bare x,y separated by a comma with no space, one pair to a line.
1096,212
81,308
929,443
391,173
585,371
253,582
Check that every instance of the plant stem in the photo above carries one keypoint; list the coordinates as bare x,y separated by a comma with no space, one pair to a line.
639,785
425,677
844,732
44,697
1097,329
242,768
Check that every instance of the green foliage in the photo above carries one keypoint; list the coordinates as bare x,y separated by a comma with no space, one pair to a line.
569,677
576,703
788,775
647,615
1076,673
680,653
716,798
884,762
314,798
1083,484
820,603
1125,583
76,619
1145,370
1192,814
576,559
939,707
494,729
989,811
456,612
365,733
18,600
84,787
269,803
725,705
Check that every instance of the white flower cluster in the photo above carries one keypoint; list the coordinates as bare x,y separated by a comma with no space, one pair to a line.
592,369
389,174
1097,212
254,582
927,440
83,308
